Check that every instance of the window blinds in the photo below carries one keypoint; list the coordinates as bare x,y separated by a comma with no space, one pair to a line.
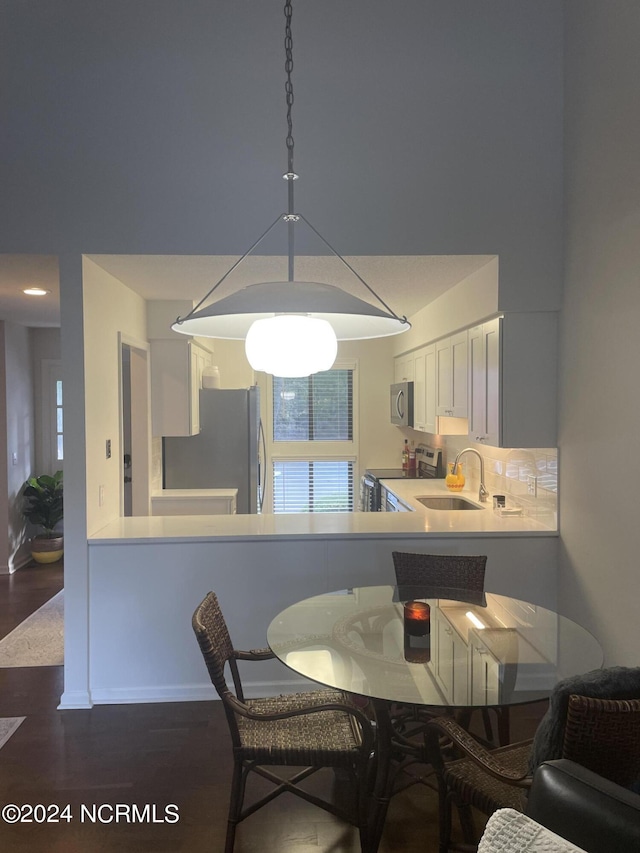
313,485
314,408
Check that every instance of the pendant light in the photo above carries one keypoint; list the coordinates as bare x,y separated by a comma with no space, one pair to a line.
291,328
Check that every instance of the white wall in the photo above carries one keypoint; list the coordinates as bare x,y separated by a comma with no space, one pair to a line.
472,300
600,345
17,425
109,308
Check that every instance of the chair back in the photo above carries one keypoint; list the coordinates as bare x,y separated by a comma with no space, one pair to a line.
440,570
215,644
604,736
616,682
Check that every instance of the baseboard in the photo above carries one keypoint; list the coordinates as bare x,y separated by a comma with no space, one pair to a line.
75,699
21,563
191,693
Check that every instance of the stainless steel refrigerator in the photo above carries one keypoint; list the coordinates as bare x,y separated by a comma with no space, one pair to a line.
228,453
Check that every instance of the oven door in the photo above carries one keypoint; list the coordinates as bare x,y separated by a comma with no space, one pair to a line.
369,494
392,503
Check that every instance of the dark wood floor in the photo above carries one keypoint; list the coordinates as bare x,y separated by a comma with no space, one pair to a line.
161,754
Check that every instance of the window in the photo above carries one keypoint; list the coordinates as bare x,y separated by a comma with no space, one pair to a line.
58,438
314,408
52,450
313,486
313,447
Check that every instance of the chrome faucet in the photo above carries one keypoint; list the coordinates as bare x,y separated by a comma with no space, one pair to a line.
483,494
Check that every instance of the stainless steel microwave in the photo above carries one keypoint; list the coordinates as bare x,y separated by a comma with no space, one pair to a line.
401,400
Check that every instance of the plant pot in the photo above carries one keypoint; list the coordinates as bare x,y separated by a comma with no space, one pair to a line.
45,549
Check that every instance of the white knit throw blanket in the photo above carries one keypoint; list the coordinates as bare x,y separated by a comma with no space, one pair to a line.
509,831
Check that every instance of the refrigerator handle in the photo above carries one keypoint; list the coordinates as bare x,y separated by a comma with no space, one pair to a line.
262,465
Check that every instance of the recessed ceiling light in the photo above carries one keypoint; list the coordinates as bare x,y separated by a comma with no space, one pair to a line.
35,291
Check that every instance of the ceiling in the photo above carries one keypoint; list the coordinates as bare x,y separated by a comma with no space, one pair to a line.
405,282
20,271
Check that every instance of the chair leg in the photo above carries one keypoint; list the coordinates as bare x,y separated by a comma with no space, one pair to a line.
504,732
466,822
488,729
444,816
238,784
359,778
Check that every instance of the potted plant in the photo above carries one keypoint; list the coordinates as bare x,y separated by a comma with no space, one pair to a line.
43,507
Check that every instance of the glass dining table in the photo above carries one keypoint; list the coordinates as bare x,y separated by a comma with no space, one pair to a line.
429,646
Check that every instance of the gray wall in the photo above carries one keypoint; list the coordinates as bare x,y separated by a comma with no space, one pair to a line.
421,127
600,351
16,436
157,126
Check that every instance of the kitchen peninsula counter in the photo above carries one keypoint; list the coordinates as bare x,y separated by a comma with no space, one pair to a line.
365,525
146,575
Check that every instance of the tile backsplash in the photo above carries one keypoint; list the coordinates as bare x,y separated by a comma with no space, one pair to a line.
507,472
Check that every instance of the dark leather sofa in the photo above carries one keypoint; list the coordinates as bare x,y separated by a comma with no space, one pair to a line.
584,808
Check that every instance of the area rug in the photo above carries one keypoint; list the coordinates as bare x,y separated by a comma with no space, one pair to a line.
39,640
8,726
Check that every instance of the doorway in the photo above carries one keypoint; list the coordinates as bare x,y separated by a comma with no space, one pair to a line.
134,427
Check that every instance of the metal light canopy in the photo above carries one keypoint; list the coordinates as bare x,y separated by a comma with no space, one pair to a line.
291,327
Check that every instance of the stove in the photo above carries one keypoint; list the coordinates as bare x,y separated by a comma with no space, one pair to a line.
429,466
390,474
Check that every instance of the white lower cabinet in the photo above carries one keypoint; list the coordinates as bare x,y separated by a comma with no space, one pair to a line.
194,502
450,661
485,674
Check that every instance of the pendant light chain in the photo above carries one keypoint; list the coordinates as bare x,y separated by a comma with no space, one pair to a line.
291,218
215,320
288,67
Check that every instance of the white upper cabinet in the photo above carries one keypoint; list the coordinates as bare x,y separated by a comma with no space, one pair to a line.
404,368
176,380
430,416
452,376
424,390
419,367
501,376
484,383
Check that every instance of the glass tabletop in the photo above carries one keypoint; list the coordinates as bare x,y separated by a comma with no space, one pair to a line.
446,647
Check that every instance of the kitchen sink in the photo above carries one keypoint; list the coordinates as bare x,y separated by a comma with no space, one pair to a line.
447,503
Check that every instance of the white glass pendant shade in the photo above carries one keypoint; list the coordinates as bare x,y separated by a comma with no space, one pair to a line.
291,345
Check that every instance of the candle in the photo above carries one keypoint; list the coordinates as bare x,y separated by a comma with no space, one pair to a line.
417,618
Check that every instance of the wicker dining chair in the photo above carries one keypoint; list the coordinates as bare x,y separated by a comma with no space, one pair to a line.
453,572
311,730
602,734
445,570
